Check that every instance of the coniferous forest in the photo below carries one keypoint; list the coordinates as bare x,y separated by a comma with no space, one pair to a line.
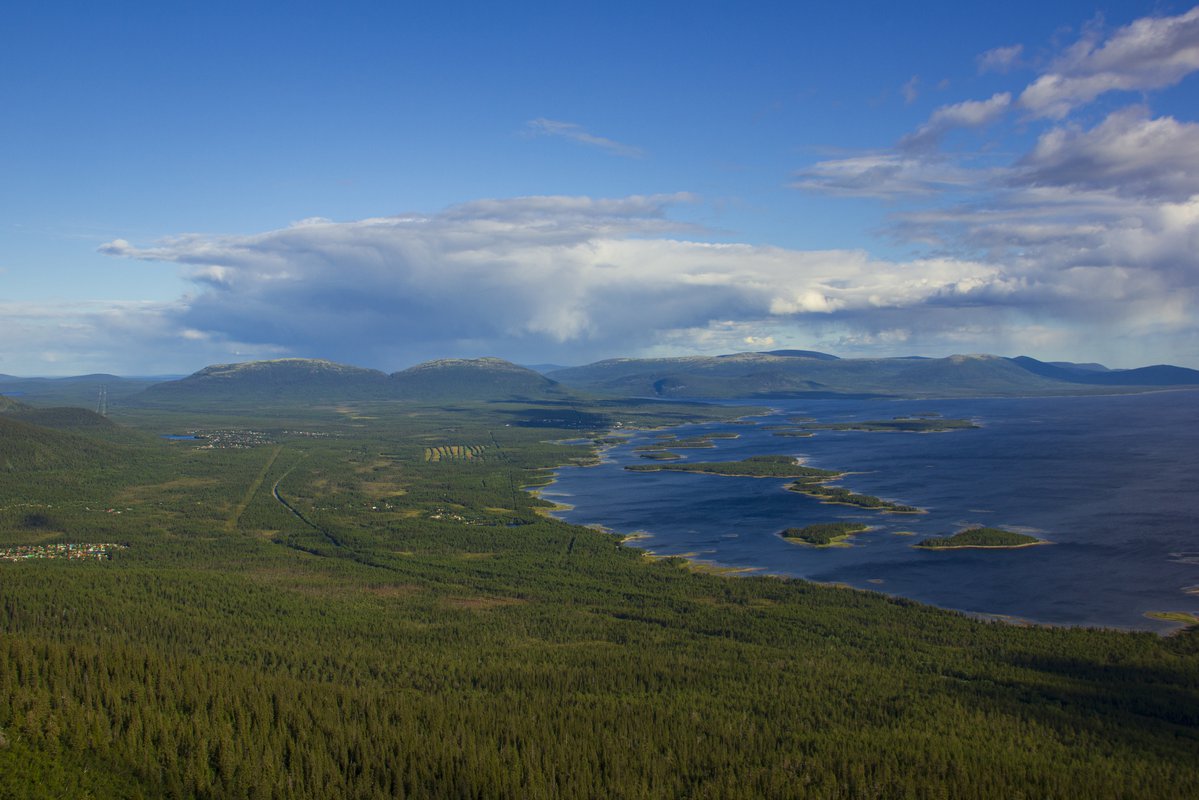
364,601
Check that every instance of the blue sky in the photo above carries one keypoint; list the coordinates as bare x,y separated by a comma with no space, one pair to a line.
382,183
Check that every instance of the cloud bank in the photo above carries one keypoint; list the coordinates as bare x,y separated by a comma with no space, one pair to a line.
536,278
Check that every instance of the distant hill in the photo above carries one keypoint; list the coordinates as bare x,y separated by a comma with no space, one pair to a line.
285,380
476,378
802,354
300,380
1091,367
544,368
1157,375
764,375
79,390
786,373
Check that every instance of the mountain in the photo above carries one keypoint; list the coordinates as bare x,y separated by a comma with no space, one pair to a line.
475,378
765,375
301,380
785,373
284,380
1090,367
1157,375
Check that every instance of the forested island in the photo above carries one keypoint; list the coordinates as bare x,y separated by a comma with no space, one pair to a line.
923,423
838,495
824,534
811,480
980,537
671,442
752,467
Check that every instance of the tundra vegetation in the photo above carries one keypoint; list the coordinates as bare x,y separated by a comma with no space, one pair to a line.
335,613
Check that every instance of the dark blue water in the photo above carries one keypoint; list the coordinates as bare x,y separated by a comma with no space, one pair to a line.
178,437
1113,482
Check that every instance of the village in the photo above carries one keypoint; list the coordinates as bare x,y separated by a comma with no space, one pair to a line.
99,551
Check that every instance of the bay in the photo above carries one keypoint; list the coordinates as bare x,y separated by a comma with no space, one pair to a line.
1111,481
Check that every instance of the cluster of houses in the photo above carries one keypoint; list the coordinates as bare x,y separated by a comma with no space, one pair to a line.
101,550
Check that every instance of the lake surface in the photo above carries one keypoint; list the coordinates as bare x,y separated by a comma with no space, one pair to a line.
1112,482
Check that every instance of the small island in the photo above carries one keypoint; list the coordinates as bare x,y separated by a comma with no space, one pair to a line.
824,534
661,455
923,423
693,443
980,537
752,467
838,495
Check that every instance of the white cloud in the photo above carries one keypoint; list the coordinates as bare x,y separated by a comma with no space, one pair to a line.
1128,153
533,277
577,133
967,114
1149,53
1000,59
126,337
884,175
910,90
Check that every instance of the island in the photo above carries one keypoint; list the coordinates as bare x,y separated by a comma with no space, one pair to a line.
980,537
923,423
810,481
838,495
752,467
668,441
824,534
661,455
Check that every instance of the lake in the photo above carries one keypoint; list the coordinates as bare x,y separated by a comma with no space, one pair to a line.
1112,482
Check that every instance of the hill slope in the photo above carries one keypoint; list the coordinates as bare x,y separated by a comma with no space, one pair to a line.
748,375
25,447
285,380
1156,375
475,378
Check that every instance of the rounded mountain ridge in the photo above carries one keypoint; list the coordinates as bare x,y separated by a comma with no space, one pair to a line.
283,365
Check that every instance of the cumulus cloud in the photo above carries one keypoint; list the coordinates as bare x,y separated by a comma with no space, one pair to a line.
1149,53
577,133
1129,153
1095,225
543,277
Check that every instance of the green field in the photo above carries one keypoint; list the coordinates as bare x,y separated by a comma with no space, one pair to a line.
332,612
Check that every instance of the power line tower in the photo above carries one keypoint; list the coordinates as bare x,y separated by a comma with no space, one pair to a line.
102,401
